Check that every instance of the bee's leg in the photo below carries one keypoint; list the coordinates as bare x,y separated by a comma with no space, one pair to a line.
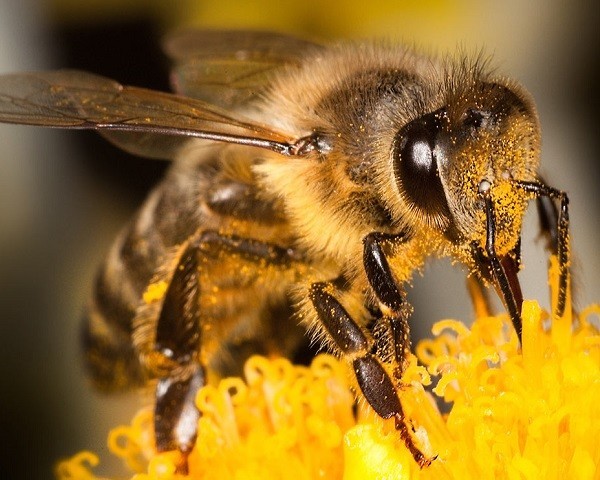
392,304
213,243
555,225
356,345
178,333
359,347
396,313
548,215
177,339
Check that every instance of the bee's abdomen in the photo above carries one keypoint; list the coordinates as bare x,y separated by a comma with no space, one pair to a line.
109,354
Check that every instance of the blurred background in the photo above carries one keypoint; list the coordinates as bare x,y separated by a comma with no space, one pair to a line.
65,195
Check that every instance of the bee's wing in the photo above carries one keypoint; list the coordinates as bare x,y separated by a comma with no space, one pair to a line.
231,68
145,122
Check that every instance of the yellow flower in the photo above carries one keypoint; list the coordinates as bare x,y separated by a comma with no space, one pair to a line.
514,412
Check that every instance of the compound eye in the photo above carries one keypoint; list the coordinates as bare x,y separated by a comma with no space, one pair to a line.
416,165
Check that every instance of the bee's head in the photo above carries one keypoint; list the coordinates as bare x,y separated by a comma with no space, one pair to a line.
479,145
459,168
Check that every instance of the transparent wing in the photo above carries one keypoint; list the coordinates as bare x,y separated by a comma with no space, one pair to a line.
79,100
231,68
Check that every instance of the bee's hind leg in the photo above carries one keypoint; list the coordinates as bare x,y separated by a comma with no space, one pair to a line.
177,339
178,334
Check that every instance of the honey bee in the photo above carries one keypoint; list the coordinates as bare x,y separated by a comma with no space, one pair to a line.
308,184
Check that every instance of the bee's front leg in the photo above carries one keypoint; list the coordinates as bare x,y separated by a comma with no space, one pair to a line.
359,347
554,225
395,318
392,304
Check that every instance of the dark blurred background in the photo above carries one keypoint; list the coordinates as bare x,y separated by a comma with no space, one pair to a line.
65,195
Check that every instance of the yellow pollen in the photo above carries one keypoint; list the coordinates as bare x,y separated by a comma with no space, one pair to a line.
513,412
